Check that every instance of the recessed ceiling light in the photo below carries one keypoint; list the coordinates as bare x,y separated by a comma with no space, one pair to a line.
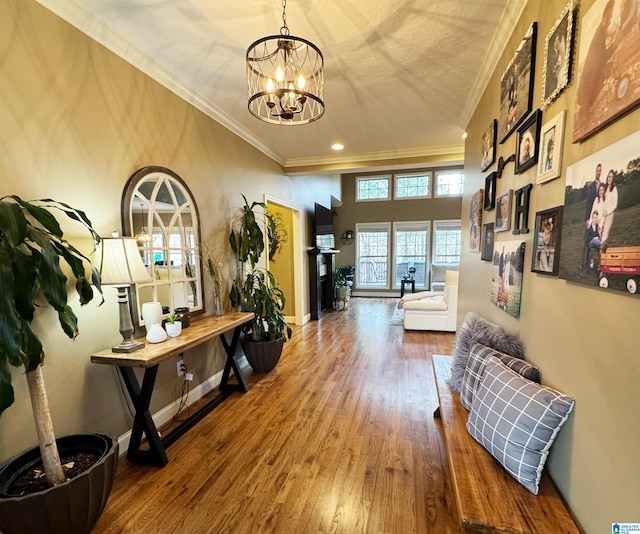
464,135
337,146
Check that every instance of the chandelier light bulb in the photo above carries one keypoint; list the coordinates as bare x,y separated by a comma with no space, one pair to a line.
279,74
301,82
270,86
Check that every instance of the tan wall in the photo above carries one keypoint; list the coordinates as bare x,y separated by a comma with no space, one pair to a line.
282,264
76,122
352,212
582,338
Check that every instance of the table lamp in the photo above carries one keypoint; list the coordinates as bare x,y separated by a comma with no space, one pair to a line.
119,263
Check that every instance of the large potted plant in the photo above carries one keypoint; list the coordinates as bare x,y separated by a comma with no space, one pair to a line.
67,499
256,289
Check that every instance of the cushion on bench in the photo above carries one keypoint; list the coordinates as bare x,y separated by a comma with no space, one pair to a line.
517,420
475,368
476,328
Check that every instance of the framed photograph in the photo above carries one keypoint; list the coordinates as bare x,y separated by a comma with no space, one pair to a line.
608,80
503,211
490,191
475,221
600,230
489,146
506,276
550,148
546,242
527,148
516,86
487,242
558,55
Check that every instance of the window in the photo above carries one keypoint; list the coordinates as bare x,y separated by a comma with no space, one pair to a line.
372,246
413,185
449,183
373,188
447,237
411,251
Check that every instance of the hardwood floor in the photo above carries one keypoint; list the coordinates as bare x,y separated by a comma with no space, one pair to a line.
340,437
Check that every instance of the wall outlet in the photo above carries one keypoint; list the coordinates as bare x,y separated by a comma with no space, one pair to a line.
181,367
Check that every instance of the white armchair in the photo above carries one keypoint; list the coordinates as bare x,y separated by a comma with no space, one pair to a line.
432,310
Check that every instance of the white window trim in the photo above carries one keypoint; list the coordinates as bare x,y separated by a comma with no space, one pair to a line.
444,224
363,227
412,225
442,173
429,174
388,177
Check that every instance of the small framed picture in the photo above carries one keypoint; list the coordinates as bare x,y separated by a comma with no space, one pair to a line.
489,146
475,221
490,191
546,242
527,142
558,54
503,211
551,138
487,242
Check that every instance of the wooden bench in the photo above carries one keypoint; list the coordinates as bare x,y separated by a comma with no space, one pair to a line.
488,498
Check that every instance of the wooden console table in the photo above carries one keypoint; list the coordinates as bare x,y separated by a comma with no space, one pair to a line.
150,357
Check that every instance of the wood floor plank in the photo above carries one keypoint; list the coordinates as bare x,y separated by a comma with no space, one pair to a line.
340,437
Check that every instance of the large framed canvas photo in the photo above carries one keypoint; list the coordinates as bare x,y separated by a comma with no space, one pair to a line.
600,230
516,86
608,74
546,241
475,217
489,146
558,55
506,276
550,149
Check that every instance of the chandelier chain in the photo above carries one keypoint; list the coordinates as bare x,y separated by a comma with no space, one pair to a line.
285,29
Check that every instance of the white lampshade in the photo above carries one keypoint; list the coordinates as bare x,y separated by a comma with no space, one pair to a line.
119,263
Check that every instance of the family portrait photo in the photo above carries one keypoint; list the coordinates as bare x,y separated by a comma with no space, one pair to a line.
506,276
488,146
608,74
503,211
550,148
600,230
527,142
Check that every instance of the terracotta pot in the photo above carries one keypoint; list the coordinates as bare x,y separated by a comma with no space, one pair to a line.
263,356
74,506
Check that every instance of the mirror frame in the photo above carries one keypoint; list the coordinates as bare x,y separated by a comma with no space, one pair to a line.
127,208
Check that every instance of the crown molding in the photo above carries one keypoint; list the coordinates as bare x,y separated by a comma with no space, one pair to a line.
510,16
87,23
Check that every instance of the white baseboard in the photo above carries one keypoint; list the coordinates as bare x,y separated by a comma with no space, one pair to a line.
168,412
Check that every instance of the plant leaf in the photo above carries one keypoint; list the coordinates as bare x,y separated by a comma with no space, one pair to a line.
6,390
13,224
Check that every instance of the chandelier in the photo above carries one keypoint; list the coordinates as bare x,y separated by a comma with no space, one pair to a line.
285,78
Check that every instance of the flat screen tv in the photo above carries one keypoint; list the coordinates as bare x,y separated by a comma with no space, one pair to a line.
324,227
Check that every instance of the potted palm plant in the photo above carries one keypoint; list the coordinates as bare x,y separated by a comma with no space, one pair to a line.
32,248
256,289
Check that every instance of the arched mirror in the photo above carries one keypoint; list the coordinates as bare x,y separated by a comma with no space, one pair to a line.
159,210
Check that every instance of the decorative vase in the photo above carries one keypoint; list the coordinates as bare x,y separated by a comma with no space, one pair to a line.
151,314
173,329
218,309
72,507
156,334
263,356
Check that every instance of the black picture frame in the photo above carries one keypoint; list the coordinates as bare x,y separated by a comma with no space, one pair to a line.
503,211
489,146
546,242
490,191
516,85
527,146
486,253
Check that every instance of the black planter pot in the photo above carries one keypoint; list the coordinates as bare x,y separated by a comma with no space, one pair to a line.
263,356
70,508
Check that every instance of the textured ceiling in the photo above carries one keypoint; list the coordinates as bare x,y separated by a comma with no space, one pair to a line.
401,76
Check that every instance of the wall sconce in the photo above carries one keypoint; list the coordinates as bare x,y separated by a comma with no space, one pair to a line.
347,237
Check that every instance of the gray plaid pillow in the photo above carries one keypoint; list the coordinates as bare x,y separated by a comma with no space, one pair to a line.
517,420
475,367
